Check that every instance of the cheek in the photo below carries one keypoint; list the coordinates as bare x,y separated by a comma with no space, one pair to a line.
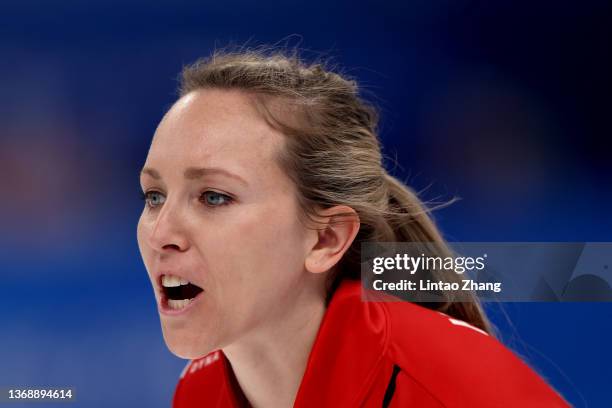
261,248
255,263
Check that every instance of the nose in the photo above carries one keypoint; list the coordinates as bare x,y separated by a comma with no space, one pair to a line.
168,231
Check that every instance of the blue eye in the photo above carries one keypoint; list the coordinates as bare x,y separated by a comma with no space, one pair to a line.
214,199
151,198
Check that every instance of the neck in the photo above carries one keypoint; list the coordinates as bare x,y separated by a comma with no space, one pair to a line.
269,364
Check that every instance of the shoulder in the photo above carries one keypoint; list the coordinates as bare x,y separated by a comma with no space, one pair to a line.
457,363
200,379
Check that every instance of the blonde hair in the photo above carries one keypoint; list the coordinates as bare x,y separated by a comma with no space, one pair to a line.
332,151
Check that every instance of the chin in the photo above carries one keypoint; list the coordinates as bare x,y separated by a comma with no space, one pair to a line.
187,347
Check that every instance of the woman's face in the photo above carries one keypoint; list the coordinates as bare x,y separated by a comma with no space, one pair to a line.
220,214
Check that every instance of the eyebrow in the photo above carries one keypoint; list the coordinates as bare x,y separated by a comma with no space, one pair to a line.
194,173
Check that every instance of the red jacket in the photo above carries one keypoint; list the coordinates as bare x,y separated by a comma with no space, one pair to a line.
386,354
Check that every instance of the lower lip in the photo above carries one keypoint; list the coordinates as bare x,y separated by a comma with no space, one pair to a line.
165,309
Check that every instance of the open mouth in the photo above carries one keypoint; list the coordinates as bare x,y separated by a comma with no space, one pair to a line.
178,292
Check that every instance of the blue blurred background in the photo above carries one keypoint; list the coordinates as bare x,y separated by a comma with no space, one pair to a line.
505,104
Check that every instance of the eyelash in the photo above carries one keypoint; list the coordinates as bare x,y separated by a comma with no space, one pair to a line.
227,199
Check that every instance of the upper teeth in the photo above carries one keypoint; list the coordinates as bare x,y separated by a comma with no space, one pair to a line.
171,281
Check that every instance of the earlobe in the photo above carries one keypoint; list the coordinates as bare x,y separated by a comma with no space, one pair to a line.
313,265
337,230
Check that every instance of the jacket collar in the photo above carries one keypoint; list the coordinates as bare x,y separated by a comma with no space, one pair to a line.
347,351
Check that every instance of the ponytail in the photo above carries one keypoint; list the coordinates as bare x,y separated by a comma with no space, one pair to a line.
410,221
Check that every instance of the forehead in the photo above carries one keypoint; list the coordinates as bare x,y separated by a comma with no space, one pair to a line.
215,127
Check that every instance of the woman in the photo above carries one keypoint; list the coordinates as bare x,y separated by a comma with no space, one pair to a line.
260,184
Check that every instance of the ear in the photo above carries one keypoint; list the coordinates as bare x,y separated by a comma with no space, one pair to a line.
336,230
